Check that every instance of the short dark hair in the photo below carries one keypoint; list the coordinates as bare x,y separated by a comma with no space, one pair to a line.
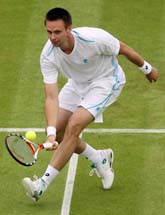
59,13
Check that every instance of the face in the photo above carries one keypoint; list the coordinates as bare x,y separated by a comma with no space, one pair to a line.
57,32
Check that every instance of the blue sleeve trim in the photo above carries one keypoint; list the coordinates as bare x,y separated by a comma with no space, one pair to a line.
50,50
83,39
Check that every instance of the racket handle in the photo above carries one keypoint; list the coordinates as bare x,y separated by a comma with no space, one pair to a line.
47,145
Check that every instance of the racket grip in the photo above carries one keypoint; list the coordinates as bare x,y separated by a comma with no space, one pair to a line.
47,145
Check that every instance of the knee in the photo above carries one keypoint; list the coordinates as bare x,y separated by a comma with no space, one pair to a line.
60,132
73,128
60,135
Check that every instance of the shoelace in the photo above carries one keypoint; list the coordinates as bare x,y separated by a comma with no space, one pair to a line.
94,170
42,186
35,177
41,182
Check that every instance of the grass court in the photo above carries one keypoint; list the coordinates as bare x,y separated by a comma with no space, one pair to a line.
139,157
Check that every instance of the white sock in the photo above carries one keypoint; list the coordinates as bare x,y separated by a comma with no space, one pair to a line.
91,154
49,174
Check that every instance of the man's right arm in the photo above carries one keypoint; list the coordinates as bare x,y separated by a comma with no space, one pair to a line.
51,108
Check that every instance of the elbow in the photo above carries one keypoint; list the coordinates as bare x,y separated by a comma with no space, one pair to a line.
123,48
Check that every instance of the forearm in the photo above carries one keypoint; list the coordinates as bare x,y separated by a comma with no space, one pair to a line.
131,55
51,111
51,104
149,71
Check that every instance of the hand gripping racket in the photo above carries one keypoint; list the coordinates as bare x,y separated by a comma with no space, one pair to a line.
22,150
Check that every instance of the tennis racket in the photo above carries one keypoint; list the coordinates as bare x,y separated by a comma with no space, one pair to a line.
22,150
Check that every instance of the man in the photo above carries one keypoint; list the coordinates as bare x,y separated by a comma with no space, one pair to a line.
88,58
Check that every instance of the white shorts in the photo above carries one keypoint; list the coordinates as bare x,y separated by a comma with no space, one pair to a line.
94,96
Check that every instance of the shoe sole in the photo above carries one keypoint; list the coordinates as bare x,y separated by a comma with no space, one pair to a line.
111,160
29,192
111,157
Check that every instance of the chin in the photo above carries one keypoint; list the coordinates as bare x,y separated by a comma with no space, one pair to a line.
56,44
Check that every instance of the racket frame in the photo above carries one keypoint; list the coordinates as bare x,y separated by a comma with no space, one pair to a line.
29,143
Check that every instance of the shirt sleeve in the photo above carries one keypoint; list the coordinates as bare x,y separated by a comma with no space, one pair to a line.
108,44
49,70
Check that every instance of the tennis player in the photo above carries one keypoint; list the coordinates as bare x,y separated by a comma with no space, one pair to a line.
88,58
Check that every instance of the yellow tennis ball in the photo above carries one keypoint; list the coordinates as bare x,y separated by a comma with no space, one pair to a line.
31,135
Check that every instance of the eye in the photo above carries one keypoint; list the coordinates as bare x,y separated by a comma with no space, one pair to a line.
57,32
49,32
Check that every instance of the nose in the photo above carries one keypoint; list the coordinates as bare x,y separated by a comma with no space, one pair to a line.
52,36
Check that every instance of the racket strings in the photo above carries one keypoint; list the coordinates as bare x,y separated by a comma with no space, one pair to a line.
20,149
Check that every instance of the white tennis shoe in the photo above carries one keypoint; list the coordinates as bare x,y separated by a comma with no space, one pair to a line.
104,168
34,189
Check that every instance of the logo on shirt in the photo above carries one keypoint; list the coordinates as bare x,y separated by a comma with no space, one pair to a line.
85,60
97,109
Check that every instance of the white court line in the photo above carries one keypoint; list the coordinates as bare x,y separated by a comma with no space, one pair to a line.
65,210
124,130
69,185
21,129
92,130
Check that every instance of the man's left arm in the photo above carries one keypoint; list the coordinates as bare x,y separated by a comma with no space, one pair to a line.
149,71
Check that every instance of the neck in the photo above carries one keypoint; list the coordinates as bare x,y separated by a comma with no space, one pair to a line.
68,45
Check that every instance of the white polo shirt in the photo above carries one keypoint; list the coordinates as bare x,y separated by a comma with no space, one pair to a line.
93,57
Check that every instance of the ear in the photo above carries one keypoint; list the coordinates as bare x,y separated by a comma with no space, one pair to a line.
69,28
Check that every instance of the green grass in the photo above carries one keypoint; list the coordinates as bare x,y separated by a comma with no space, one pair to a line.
139,158
139,177
14,200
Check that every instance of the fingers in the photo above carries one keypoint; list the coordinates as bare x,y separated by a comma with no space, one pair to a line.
55,145
153,76
152,80
52,146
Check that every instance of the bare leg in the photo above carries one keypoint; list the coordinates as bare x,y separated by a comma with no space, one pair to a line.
71,142
62,121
